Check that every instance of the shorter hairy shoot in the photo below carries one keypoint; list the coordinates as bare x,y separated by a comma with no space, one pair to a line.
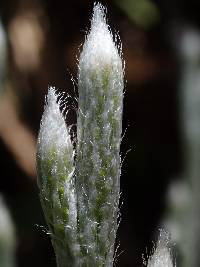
55,164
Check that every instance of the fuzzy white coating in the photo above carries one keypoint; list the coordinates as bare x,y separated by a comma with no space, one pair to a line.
53,131
99,48
99,126
162,254
55,164
91,192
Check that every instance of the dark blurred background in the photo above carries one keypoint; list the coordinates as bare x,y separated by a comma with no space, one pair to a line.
43,39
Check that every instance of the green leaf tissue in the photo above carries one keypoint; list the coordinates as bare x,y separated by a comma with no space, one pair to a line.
80,183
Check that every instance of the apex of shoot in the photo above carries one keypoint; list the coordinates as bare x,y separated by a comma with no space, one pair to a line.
99,49
162,254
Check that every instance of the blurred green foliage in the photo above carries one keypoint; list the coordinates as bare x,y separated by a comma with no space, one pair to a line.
143,12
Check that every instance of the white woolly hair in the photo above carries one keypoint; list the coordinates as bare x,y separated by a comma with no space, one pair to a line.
100,48
53,130
162,254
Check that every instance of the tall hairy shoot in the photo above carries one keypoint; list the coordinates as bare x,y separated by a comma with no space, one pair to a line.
99,126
